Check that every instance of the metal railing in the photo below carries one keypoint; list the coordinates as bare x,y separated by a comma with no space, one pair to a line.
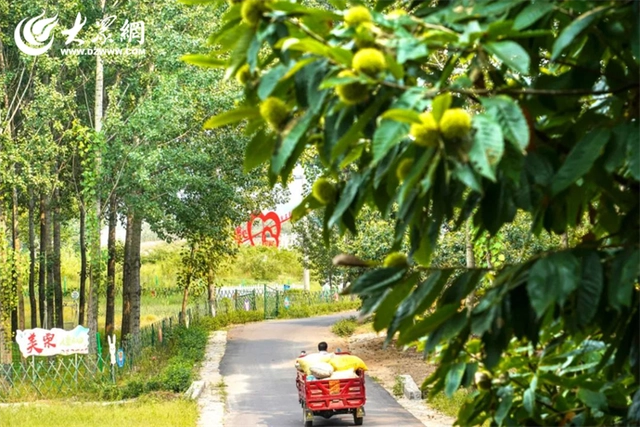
77,375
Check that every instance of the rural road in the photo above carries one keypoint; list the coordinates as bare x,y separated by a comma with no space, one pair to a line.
258,369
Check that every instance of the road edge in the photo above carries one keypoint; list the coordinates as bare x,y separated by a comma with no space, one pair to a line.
211,400
417,407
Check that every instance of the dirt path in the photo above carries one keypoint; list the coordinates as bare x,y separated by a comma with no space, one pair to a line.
386,364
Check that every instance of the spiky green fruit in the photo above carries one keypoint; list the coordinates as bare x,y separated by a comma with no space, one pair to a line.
252,11
323,191
396,259
403,169
351,93
426,133
483,380
274,111
357,15
369,61
455,123
243,75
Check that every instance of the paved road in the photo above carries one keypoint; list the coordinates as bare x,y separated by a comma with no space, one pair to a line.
260,376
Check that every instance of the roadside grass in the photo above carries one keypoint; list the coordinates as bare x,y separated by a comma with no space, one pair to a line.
397,387
448,405
222,390
140,413
345,327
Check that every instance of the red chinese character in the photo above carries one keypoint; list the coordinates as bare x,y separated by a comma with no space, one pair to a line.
47,340
32,344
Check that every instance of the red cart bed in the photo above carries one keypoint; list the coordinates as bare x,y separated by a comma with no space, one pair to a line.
326,398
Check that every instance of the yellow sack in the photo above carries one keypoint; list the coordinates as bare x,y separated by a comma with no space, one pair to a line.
344,362
304,364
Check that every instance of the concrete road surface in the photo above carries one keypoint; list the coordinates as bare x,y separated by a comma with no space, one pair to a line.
258,369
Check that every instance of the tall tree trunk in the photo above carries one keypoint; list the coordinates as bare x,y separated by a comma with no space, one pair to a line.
127,271
5,305
94,271
187,284
50,288
15,246
111,267
43,262
136,289
211,292
32,260
57,274
564,240
82,301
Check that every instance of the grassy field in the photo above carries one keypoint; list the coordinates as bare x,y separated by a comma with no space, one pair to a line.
144,412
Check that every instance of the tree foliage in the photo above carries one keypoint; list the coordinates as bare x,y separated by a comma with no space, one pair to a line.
552,93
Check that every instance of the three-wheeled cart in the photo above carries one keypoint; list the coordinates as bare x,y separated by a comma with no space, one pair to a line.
326,398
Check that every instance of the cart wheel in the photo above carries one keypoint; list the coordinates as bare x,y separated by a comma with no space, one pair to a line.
357,420
307,423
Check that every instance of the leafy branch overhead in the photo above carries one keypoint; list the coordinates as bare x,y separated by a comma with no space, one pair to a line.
440,113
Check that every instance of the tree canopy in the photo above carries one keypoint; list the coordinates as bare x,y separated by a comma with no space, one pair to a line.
443,112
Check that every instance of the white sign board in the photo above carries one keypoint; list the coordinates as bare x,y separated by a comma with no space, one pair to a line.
50,342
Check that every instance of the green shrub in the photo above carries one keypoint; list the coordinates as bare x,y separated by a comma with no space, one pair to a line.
154,384
345,327
133,388
397,388
177,375
448,405
191,342
105,391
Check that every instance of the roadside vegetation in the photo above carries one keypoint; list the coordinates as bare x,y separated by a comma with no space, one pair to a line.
158,410
345,327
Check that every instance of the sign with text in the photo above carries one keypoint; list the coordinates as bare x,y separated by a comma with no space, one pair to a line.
51,342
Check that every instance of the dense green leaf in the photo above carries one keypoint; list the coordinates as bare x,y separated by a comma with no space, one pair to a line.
203,60
290,140
573,30
269,81
590,288
511,54
232,116
258,150
428,324
635,37
508,114
390,132
298,66
440,104
375,280
453,378
625,270
580,159
634,409
347,196
354,132
551,280
388,306
400,115
488,146
529,400
633,150
531,14
593,399
505,396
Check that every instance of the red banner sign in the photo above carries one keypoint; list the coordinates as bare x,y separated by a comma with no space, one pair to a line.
269,225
